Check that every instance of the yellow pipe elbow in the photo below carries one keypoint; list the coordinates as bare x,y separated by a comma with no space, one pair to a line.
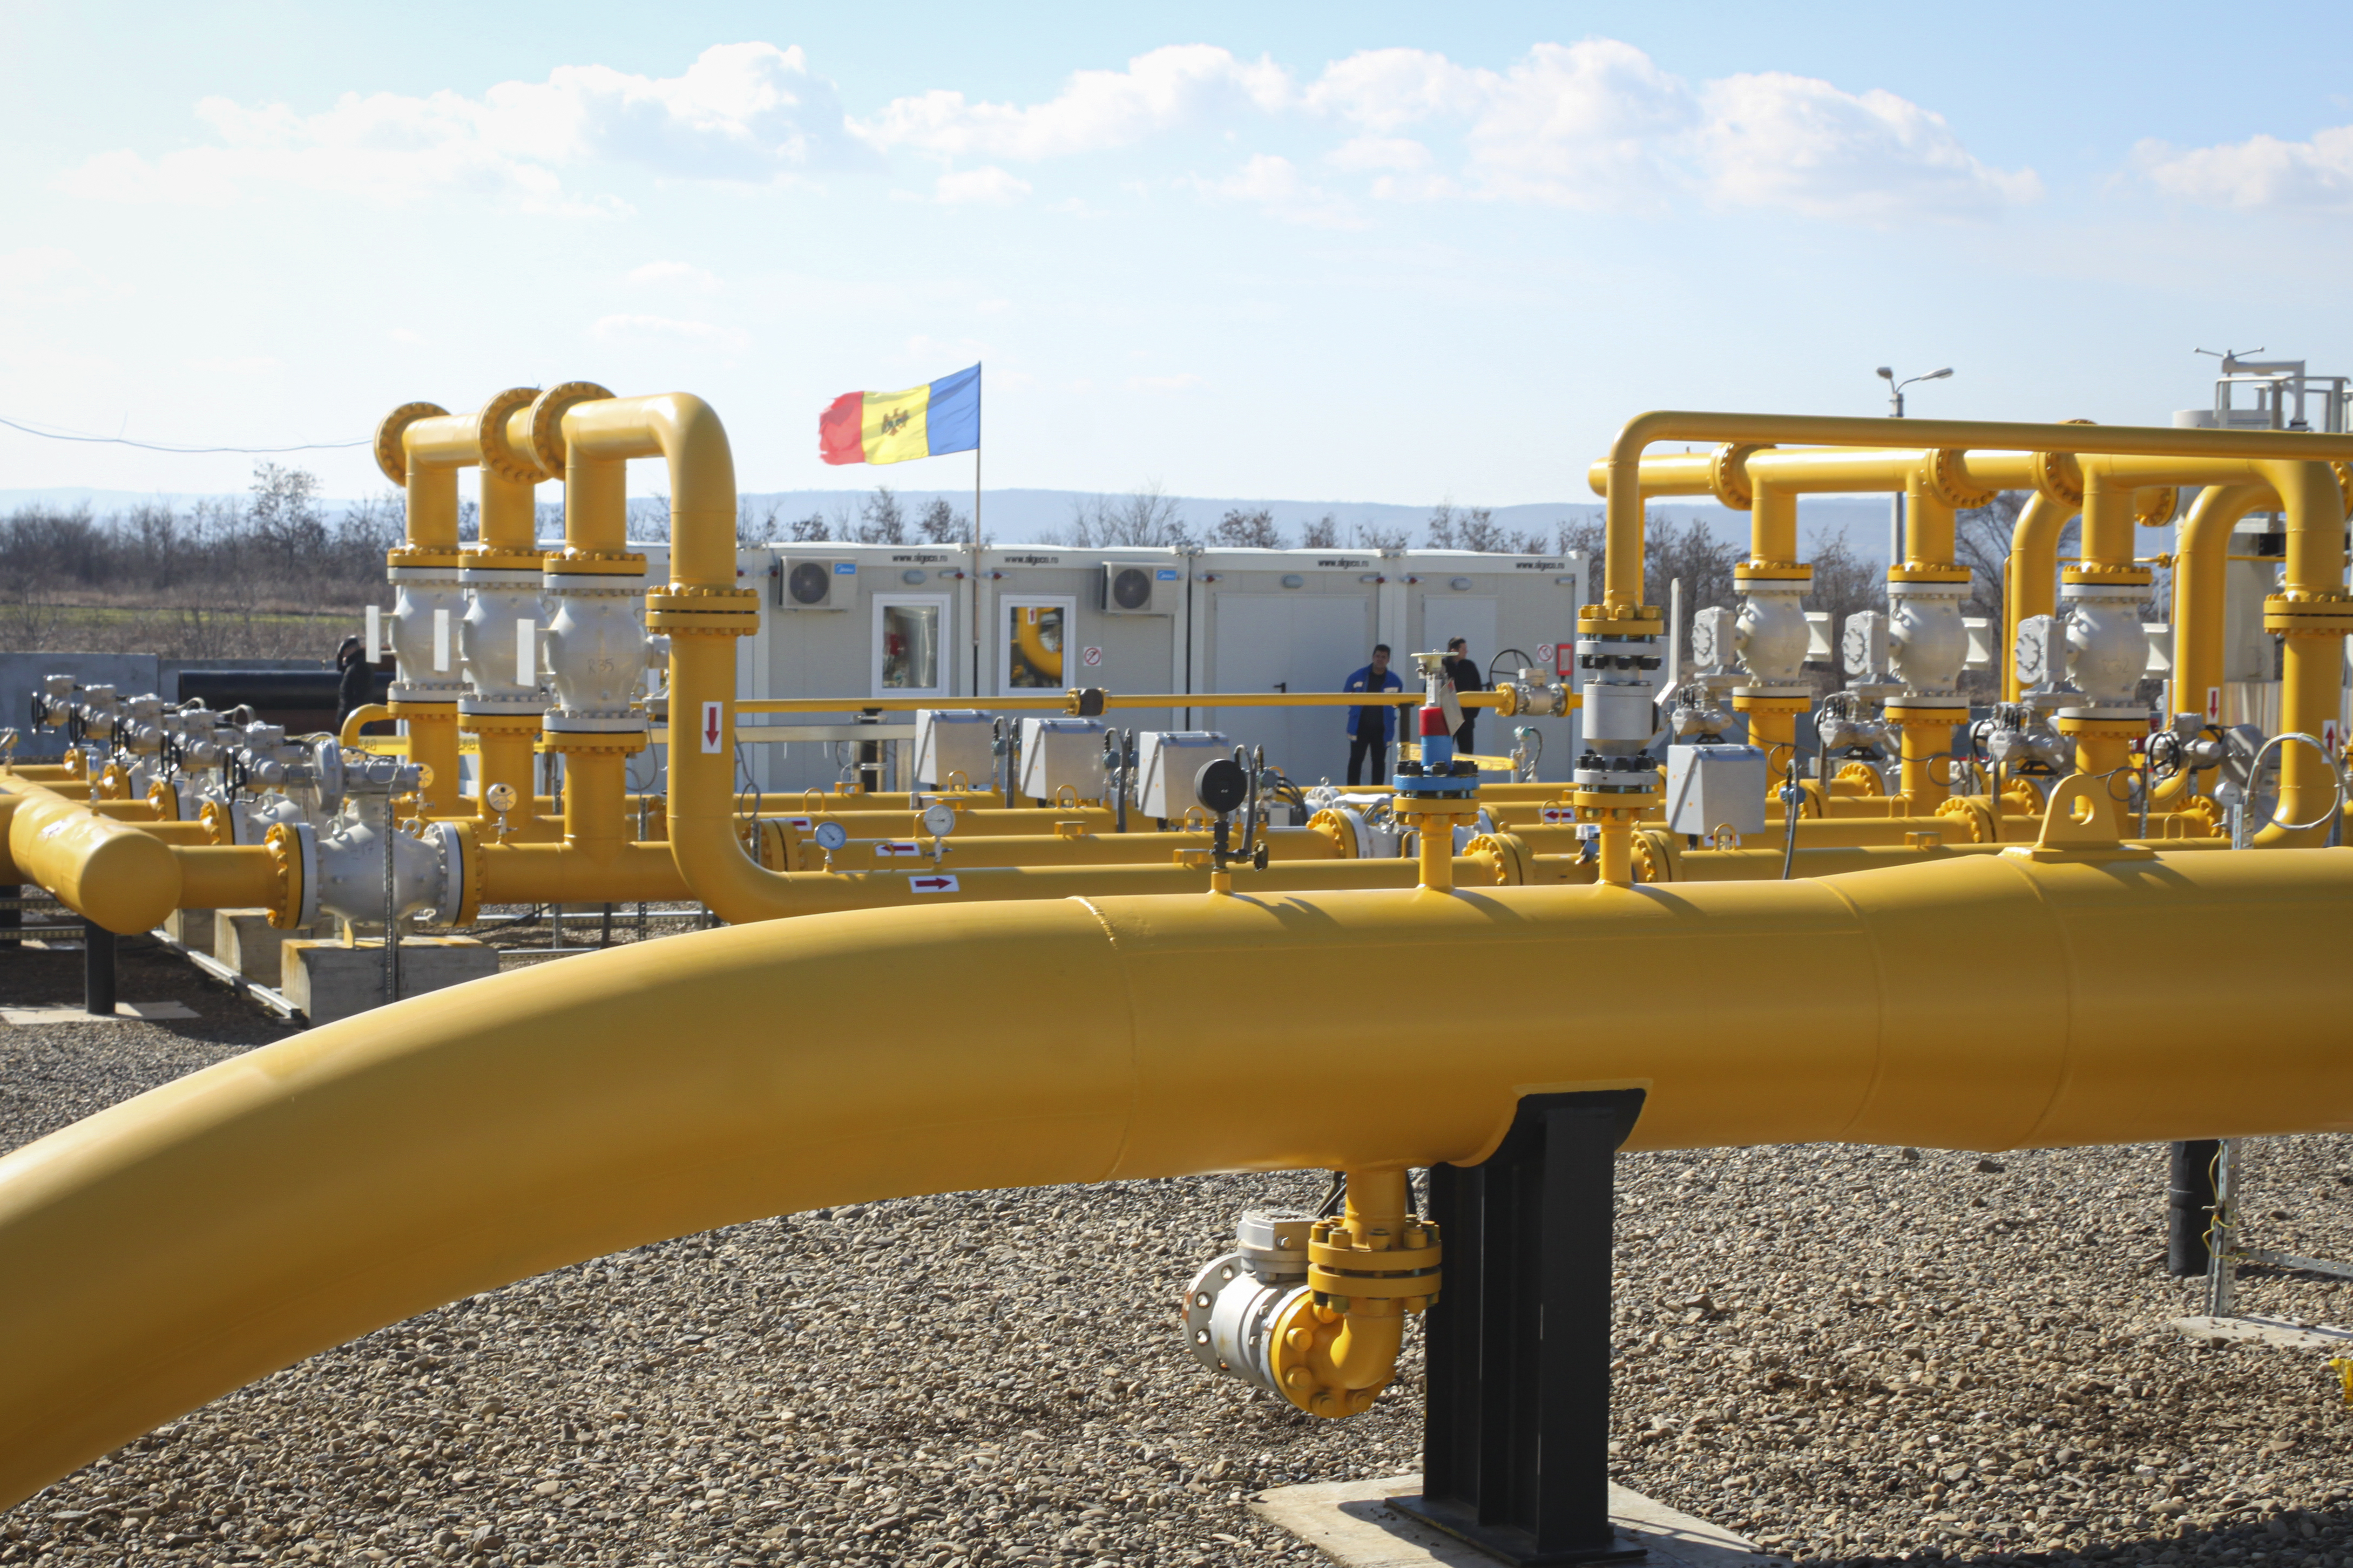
358,718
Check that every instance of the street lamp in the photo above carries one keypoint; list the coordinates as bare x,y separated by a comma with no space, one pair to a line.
1895,410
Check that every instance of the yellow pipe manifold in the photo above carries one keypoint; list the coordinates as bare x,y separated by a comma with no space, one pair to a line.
263,1209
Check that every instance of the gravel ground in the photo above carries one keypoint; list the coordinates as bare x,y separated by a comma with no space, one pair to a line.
1843,1353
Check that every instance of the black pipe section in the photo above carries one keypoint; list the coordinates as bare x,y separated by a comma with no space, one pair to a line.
97,970
11,917
1516,1437
2189,1206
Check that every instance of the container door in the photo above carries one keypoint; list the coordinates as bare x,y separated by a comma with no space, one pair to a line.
1291,642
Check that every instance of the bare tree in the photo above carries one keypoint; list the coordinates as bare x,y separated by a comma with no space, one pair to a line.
881,519
284,515
1145,516
1441,526
1247,531
941,523
1323,534
811,530
1382,536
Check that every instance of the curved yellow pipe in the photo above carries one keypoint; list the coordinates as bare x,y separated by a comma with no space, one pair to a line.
238,1219
358,719
2030,586
2200,605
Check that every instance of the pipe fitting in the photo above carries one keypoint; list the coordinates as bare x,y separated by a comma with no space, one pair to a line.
1927,643
2107,650
1771,635
1315,1310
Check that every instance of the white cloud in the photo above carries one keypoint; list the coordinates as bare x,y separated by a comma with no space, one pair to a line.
1274,185
987,183
675,274
1781,140
2258,173
625,328
740,112
1599,124
1181,84
44,275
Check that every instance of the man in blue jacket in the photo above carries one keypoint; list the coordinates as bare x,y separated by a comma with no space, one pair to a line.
1368,727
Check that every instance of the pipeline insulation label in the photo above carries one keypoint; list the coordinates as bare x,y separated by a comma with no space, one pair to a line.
441,641
933,884
712,712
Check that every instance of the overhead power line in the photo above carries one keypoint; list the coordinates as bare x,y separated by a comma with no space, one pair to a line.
184,451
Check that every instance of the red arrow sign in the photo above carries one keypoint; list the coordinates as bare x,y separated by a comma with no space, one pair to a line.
711,716
934,884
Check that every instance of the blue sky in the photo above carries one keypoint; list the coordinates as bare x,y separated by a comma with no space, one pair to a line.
1370,252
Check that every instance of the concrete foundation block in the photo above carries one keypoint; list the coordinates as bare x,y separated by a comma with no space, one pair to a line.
248,943
327,979
192,929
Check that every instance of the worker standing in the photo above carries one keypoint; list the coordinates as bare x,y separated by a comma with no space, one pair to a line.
1368,727
355,680
1465,671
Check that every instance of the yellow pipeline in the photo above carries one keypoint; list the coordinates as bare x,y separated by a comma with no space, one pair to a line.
2029,586
1071,701
358,1174
1044,850
124,876
2200,605
420,447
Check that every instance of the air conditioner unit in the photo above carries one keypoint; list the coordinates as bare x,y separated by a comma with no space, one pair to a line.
808,583
1149,589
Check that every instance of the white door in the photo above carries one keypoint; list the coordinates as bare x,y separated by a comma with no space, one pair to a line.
1291,642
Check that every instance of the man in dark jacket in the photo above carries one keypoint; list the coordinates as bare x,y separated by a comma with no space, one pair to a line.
1368,727
1465,671
355,685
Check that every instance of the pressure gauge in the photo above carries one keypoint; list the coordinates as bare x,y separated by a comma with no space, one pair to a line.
831,836
939,820
501,797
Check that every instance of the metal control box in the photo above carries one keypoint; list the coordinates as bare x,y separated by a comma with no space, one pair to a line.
955,744
1712,786
1165,761
1062,753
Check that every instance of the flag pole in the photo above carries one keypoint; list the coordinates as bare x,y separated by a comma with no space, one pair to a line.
978,383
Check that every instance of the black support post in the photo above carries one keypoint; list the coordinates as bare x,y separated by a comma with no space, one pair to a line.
97,970
2189,1206
11,917
1516,1440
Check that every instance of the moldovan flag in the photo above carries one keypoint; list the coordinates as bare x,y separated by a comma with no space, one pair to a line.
894,426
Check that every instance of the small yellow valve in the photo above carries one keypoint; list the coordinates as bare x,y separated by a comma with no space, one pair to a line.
2343,1367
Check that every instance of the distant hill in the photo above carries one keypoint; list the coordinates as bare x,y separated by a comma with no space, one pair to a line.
1021,516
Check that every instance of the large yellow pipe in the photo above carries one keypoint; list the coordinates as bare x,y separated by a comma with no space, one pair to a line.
105,870
2030,585
266,1208
1623,476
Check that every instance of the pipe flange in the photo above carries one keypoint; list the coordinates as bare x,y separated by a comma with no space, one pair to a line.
1923,582
571,563
500,566
2297,614
2154,505
1771,577
1772,699
461,862
165,799
2058,476
219,821
2102,721
1621,621
1727,473
1653,856
547,412
294,860
499,455
707,612
1972,814
1945,475
423,563
1339,1271
391,453
499,714
2091,581
1507,853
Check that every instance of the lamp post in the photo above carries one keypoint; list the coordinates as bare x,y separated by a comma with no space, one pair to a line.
1895,410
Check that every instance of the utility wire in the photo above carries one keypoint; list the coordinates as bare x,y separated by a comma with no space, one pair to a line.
184,451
